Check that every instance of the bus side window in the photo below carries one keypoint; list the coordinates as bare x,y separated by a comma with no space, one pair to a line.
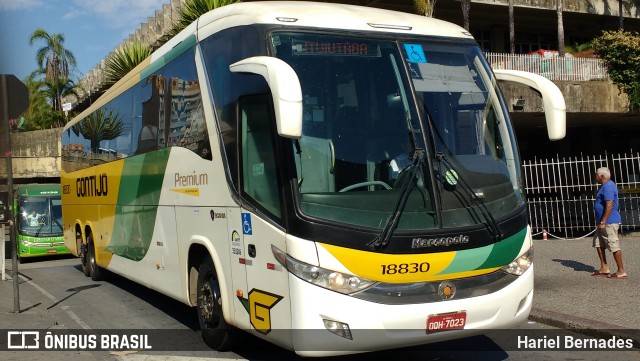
259,177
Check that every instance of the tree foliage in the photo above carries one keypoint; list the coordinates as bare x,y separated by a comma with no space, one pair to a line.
54,61
424,7
124,59
621,52
193,9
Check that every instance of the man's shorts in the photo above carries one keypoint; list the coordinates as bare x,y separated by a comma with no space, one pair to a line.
607,238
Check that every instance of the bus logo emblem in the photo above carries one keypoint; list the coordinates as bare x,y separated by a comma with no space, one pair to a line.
446,290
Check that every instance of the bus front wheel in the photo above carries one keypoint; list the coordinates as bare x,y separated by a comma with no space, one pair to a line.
216,333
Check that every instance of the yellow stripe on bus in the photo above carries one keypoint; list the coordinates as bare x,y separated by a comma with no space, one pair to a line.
398,268
84,199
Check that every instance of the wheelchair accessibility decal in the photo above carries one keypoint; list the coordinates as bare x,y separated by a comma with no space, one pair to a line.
246,223
415,53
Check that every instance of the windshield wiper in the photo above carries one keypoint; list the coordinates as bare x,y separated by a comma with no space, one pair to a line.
409,182
491,224
39,229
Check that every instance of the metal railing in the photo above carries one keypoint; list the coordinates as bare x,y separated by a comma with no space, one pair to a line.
560,192
552,67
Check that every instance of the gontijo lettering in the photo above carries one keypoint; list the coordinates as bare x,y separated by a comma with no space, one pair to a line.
92,186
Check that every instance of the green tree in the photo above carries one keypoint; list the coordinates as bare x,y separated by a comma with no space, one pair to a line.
620,50
39,113
54,61
124,59
193,9
99,126
38,110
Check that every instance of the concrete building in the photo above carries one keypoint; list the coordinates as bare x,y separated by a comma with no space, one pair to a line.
597,118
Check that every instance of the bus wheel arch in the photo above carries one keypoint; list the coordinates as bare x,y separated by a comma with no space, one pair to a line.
82,250
216,332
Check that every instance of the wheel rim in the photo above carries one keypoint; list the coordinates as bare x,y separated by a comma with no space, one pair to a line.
210,302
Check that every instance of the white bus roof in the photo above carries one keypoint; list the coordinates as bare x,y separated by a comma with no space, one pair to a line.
316,15
294,14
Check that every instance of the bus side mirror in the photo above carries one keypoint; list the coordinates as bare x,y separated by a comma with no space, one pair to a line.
285,89
552,98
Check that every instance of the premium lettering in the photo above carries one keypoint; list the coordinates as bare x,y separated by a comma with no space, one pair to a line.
92,186
190,180
437,242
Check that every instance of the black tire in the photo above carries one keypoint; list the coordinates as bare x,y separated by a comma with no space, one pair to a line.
216,333
83,253
96,272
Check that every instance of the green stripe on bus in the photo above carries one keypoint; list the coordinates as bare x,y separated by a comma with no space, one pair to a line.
506,250
140,188
491,256
469,259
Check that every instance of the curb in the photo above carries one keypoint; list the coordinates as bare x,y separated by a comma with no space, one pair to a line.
584,326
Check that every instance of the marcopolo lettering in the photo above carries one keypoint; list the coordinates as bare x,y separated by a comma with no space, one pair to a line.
436,242
92,186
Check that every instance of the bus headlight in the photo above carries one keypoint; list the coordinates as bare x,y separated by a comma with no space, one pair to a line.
520,264
336,281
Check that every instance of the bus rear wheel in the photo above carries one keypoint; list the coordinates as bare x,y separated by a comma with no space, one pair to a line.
83,254
216,333
96,272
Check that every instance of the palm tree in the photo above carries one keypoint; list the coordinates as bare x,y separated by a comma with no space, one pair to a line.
559,9
54,60
100,126
38,108
193,9
466,6
66,89
124,59
424,7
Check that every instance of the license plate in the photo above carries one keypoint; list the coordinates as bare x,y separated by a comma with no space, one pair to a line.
446,321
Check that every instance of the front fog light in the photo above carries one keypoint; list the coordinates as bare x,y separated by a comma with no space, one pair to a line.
338,328
520,264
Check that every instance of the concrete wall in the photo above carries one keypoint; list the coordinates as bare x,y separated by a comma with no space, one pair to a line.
36,154
580,97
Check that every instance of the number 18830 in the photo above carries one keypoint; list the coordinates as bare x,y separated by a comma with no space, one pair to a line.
402,268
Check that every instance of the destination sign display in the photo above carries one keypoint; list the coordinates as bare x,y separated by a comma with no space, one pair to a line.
335,48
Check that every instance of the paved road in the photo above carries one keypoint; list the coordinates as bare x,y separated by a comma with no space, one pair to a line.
566,296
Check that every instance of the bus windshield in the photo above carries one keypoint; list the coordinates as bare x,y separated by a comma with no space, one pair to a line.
372,106
40,216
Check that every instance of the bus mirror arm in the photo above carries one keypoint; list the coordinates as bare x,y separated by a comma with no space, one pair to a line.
552,98
285,89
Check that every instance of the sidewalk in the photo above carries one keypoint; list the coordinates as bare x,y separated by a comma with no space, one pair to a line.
567,296
565,293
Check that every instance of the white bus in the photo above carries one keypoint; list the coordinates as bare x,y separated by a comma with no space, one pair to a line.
330,178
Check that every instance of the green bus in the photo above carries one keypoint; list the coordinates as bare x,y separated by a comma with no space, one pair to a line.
38,215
